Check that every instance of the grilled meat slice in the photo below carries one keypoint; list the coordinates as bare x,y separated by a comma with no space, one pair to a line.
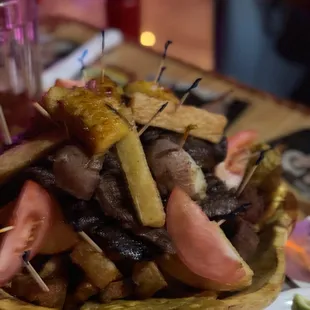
115,200
158,236
242,236
219,201
172,166
75,173
254,213
123,242
206,154
88,216
111,161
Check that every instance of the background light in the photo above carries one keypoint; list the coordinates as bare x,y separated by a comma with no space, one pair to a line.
147,38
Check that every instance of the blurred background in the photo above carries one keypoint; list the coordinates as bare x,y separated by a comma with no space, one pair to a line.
263,43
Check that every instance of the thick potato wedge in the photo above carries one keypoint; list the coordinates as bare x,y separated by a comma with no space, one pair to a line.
24,287
98,268
141,184
21,156
148,279
116,290
209,126
88,116
151,89
84,291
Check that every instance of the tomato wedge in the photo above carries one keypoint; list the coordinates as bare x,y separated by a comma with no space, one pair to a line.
31,221
238,148
201,244
69,83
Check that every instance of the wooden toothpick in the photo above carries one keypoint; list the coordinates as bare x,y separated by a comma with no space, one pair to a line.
5,229
145,127
162,62
250,173
83,69
187,131
5,129
102,54
160,74
86,238
194,85
41,110
36,277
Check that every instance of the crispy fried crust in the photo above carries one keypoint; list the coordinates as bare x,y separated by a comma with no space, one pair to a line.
21,156
210,126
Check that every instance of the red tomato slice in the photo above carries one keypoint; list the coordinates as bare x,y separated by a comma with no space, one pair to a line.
238,148
31,221
69,83
200,243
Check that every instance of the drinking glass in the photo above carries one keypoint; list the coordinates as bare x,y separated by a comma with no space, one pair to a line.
20,69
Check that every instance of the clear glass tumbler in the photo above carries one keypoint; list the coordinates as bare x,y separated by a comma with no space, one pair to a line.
20,69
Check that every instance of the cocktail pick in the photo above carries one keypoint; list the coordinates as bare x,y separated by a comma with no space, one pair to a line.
160,74
102,56
36,277
145,127
5,229
249,175
194,85
162,63
83,69
187,131
5,129
87,239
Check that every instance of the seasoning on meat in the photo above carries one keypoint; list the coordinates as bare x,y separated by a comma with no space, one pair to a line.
173,166
76,173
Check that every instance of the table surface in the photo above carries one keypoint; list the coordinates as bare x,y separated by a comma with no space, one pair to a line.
271,117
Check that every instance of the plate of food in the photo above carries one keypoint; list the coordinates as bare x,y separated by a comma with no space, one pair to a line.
129,199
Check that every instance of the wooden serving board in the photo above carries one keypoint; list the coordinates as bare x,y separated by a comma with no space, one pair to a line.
271,117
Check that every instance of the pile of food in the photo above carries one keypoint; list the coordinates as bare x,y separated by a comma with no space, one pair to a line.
131,195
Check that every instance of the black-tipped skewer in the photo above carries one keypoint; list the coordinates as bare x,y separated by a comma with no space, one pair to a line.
83,69
145,127
36,277
251,172
233,214
162,63
160,74
102,55
194,85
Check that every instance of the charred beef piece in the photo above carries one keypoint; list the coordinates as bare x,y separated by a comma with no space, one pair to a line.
115,200
123,242
158,236
254,213
88,216
111,162
242,236
206,154
75,173
220,201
